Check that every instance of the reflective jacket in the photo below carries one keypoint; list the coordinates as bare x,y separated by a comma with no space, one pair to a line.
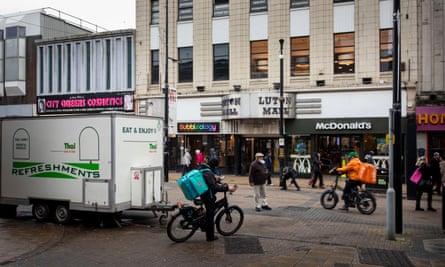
352,168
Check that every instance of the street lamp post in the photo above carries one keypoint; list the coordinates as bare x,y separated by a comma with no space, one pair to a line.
281,141
166,98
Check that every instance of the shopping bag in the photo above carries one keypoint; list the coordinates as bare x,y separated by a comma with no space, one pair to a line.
416,176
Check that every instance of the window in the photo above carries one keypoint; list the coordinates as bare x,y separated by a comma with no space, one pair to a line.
129,62
185,10
154,12
344,59
108,64
386,38
59,68
220,8
42,70
299,3
299,56
220,62
88,66
50,69
68,67
259,63
342,1
258,6
154,66
185,64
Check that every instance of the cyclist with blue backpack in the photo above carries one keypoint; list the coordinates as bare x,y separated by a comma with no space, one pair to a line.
211,178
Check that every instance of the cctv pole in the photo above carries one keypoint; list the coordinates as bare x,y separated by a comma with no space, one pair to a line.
166,94
396,107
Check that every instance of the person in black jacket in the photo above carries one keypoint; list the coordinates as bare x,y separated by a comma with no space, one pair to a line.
425,170
289,173
209,197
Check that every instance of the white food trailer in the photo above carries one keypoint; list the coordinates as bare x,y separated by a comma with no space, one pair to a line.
104,163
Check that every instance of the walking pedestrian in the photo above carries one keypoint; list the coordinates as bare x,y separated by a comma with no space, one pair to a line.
435,172
199,157
425,184
257,179
186,161
316,166
269,165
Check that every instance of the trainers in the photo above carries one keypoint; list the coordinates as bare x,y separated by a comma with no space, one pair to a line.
258,209
266,207
270,184
420,209
431,209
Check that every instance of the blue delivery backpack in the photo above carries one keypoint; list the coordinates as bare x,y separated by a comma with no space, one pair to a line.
193,184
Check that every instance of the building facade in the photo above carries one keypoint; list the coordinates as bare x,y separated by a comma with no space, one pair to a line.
223,62
18,54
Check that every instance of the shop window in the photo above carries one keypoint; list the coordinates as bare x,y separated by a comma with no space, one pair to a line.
386,48
259,63
344,59
300,56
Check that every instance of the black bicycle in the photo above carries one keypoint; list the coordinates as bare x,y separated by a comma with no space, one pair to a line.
184,223
362,199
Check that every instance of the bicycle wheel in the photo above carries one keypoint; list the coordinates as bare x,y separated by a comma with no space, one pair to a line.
229,220
366,204
179,229
329,199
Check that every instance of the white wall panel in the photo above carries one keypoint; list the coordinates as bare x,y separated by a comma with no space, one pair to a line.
344,18
259,26
299,22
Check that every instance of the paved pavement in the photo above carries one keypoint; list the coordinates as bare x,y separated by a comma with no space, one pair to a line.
296,232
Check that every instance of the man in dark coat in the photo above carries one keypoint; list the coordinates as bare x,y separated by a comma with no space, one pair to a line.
209,197
257,179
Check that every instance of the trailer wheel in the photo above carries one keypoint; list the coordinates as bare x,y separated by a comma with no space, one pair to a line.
40,211
62,214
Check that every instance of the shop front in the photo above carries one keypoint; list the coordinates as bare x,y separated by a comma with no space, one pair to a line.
430,130
334,139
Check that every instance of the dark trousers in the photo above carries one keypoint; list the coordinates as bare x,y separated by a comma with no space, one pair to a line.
419,196
317,175
209,225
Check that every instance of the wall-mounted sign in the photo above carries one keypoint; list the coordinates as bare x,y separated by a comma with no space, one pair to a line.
257,105
336,126
198,127
116,101
430,118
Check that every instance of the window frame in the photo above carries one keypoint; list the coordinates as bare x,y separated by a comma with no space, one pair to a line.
259,59
221,8
343,47
154,64
221,73
300,50
258,6
185,10
185,72
386,54
155,15
299,3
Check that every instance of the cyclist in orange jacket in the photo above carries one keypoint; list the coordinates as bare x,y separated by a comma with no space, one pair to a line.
353,175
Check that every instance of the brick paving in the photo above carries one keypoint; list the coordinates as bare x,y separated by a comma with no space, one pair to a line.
296,232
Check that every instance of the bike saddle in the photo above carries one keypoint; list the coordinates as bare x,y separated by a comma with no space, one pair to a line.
198,201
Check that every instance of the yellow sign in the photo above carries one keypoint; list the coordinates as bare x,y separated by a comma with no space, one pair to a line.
393,139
